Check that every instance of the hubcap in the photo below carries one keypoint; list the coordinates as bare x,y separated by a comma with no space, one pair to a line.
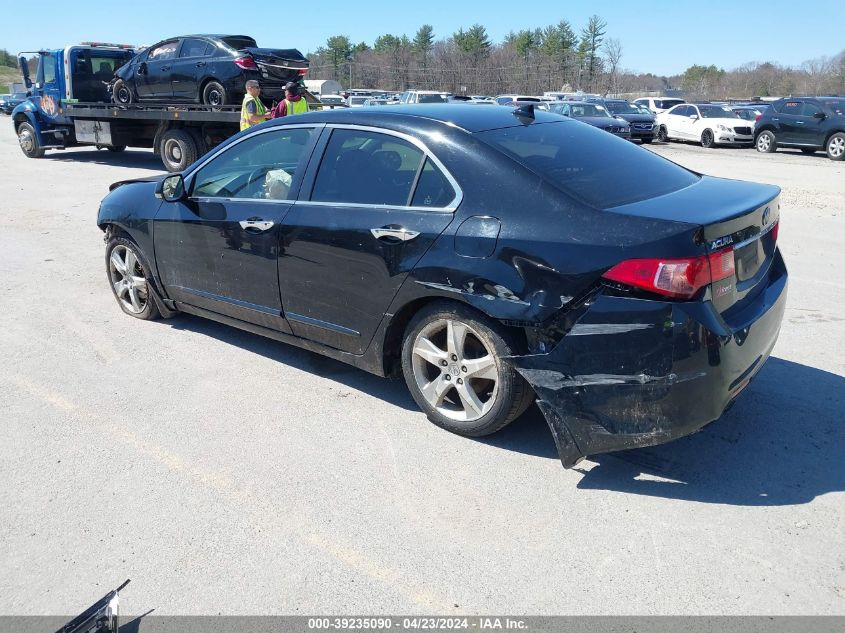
127,278
454,370
763,142
26,140
173,151
214,97
123,95
836,147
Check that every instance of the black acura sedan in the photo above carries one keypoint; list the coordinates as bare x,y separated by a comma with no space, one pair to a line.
207,69
491,256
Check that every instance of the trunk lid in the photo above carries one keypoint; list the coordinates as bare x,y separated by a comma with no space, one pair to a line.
282,64
738,219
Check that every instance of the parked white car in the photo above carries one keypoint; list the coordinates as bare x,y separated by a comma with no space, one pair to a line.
423,96
658,104
705,123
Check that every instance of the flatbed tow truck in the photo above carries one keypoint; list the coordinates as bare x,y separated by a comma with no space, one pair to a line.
69,105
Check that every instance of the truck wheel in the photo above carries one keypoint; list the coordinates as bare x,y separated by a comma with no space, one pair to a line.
836,147
121,93
214,94
28,140
178,149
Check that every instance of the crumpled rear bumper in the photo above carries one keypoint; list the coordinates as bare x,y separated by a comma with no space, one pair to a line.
636,372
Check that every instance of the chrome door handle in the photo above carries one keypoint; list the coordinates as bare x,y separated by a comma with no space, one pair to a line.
256,224
398,233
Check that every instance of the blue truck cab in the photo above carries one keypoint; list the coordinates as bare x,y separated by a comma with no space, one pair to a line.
64,76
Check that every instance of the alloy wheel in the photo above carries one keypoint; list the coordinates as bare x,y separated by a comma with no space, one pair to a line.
764,142
455,370
128,279
836,147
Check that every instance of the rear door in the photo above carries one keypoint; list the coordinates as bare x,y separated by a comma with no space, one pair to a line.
218,250
152,80
377,202
789,120
189,67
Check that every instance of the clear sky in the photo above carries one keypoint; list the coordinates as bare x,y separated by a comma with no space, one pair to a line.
659,37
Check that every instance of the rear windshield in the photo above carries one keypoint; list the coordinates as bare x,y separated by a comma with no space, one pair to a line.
239,43
596,167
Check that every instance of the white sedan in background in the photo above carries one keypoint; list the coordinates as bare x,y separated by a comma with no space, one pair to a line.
705,123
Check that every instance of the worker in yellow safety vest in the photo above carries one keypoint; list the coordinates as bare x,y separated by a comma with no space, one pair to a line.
293,103
253,111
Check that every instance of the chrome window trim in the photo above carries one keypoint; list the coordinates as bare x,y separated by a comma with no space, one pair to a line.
427,153
218,151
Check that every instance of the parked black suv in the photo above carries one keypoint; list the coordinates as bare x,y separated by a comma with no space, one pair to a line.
209,69
807,123
643,126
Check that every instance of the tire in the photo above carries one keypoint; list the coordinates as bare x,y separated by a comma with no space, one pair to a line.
214,94
835,147
442,391
766,142
28,140
707,139
177,149
807,150
662,134
116,148
121,93
129,275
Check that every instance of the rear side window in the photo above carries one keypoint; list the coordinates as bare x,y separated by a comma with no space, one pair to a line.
589,164
360,167
193,48
792,107
433,189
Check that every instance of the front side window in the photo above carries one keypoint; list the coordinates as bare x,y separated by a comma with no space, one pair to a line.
163,51
810,109
262,166
589,164
48,69
361,167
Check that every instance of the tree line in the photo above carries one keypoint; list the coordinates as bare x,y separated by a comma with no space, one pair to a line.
557,57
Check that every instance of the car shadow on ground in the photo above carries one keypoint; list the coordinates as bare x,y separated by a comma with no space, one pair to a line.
393,391
783,443
137,159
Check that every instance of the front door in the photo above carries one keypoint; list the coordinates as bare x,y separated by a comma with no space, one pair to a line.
218,249
152,76
377,203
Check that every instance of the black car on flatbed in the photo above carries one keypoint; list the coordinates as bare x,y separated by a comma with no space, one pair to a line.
206,69
810,124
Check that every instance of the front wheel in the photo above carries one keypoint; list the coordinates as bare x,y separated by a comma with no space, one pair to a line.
28,140
662,134
214,94
453,363
707,139
836,147
766,142
129,279
121,93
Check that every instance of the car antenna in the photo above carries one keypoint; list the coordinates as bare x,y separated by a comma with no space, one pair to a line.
525,112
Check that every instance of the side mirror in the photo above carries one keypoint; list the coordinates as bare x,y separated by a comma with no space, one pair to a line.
820,115
694,117
171,189
25,71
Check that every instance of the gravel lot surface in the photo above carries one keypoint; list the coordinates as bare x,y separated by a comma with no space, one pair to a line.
226,473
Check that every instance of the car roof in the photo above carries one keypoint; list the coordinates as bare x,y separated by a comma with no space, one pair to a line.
467,117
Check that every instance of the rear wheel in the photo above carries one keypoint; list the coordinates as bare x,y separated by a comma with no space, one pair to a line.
214,94
28,140
836,147
453,363
662,134
707,139
121,93
178,149
766,142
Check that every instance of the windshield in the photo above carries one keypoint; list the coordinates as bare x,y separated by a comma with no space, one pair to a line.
621,107
578,110
836,105
717,112
431,98
589,164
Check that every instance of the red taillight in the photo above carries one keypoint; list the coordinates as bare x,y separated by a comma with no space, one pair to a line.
246,62
775,230
677,278
302,71
758,117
